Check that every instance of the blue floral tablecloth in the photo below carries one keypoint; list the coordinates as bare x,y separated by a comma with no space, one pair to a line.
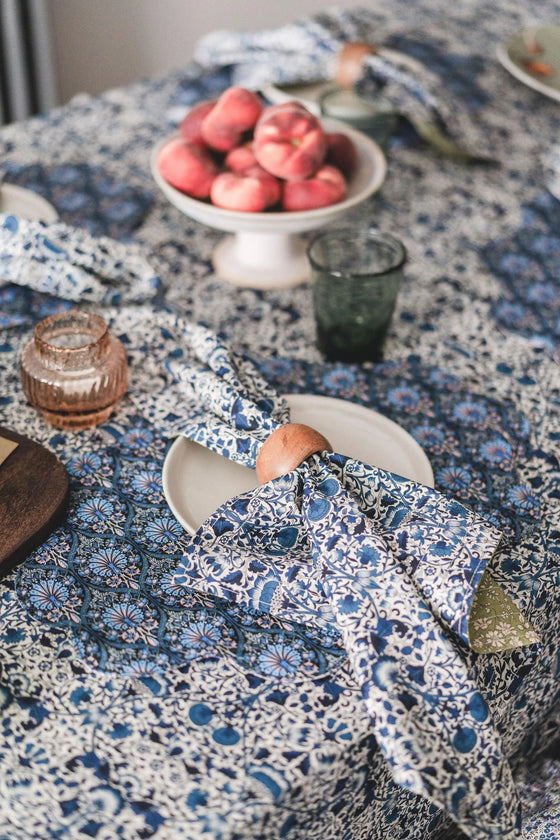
131,707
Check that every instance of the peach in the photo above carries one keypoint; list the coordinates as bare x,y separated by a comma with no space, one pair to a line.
187,167
236,112
327,186
341,153
241,158
251,192
192,121
271,185
289,141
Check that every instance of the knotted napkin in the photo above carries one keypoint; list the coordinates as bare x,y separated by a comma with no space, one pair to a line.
71,263
308,51
393,564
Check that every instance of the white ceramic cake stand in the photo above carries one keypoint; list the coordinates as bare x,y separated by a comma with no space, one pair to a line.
265,250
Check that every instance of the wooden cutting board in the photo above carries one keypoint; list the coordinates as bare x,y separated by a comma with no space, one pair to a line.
33,496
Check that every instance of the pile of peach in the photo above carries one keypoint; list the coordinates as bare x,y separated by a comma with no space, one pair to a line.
243,155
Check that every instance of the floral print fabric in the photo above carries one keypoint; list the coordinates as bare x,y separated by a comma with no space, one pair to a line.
308,50
239,409
133,707
387,561
72,264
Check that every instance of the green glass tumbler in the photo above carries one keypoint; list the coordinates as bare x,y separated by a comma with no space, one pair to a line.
355,277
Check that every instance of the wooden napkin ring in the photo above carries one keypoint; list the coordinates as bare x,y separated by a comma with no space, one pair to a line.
286,448
349,64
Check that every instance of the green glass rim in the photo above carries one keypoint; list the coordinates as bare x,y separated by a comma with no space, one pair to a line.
348,234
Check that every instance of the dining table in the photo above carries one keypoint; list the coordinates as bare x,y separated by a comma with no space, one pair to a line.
135,707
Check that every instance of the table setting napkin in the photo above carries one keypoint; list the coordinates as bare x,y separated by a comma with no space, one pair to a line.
394,565
308,51
68,262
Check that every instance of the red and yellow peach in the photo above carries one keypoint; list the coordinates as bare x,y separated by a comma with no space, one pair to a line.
187,167
236,112
289,141
327,186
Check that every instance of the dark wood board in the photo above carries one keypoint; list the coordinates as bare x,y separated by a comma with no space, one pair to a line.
33,498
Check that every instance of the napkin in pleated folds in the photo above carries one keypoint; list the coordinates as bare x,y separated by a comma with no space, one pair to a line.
307,50
72,264
393,564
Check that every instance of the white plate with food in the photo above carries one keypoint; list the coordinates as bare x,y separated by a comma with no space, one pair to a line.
533,57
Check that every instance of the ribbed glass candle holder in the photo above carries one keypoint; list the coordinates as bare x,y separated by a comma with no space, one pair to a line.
74,370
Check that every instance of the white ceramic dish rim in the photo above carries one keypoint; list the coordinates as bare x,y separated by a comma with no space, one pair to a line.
25,203
502,53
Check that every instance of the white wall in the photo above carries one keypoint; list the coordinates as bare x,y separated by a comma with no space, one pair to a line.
106,43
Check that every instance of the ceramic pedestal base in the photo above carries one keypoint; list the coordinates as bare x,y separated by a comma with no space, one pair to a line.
262,260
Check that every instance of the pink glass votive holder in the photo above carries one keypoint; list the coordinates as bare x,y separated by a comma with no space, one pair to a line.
74,370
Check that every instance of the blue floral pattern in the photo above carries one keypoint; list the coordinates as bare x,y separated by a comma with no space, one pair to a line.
237,723
383,559
86,196
72,264
118,597
527,265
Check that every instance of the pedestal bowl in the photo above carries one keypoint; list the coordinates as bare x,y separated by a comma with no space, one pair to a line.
266,250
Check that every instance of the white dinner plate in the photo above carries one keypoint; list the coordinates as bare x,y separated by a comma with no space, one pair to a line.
515,53
25,203
196,480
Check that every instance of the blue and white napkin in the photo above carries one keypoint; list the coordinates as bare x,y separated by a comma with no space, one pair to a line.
394,565
308,50
70,263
